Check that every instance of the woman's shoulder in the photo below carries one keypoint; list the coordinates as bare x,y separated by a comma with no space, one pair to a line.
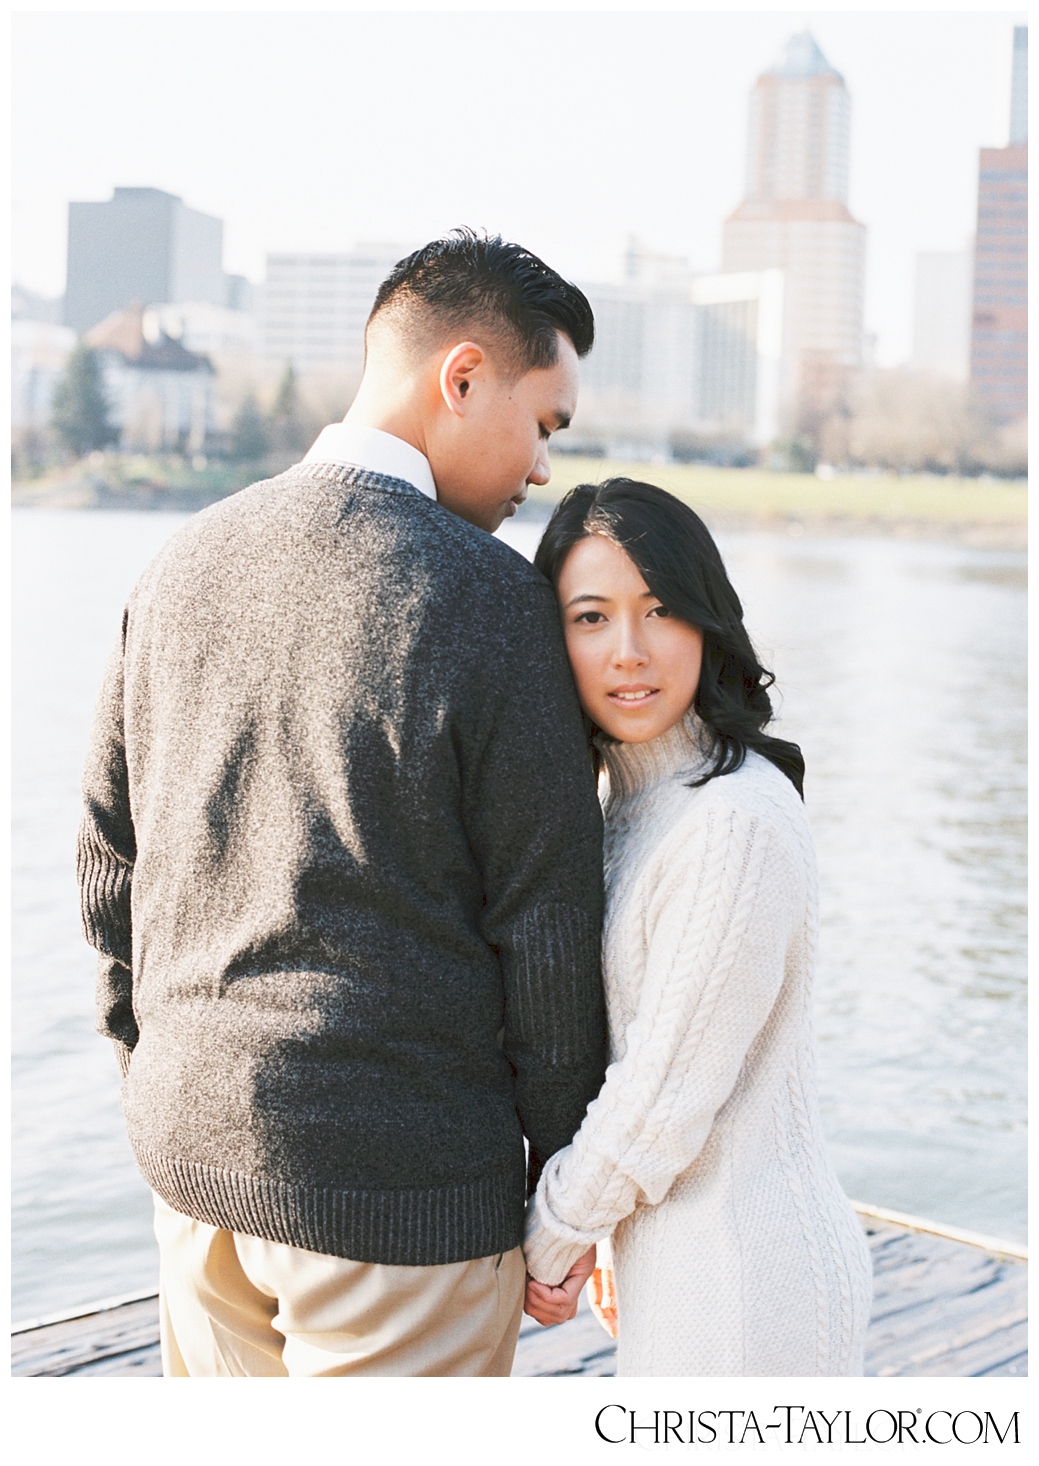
756,785
751,817
754,795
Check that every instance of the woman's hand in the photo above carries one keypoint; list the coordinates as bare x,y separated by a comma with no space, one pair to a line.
556,1304
602,1299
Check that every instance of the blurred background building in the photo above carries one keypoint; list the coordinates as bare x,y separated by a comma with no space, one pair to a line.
999,339
683,364
144,245
159,394
794,217
942,312
40,347
315,306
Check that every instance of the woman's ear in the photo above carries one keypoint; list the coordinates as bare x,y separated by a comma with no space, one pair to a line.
459,367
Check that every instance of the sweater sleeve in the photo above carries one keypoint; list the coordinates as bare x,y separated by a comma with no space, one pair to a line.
534,824
105,858
718,925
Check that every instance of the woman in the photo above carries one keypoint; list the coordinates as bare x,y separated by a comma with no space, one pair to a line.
735,1250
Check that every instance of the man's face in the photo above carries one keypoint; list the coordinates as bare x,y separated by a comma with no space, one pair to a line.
484,457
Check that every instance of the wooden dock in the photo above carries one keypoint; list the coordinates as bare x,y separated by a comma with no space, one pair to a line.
946,1303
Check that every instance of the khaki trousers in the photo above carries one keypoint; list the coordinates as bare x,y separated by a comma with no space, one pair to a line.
231,1306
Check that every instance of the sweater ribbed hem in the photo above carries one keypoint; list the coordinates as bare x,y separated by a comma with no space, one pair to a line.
407,1227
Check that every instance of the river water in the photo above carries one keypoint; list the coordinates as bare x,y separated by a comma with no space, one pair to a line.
902,671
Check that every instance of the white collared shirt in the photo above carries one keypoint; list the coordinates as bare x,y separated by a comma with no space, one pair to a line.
379,452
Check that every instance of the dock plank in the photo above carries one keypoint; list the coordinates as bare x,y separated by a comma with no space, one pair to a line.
111,1342
941,1308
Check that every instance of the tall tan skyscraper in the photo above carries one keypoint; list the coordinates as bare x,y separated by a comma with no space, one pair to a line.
999,339
795,218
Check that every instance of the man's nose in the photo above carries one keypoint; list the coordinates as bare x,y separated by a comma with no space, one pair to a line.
540,474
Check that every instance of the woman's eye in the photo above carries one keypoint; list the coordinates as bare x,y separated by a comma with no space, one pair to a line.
660,611
590,617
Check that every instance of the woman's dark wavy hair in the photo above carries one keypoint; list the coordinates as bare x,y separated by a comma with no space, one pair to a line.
679,561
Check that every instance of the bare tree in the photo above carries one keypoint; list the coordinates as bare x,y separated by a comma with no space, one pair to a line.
914,421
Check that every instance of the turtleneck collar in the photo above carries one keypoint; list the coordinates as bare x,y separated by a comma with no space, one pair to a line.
632,767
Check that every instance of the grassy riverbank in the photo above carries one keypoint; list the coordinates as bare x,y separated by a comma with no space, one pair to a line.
987,512
138,481
977,511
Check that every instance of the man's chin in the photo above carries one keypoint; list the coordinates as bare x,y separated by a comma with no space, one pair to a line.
490,518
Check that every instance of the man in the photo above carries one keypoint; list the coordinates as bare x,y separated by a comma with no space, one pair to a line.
341,857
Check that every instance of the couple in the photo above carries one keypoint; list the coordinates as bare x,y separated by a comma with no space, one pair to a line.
342,860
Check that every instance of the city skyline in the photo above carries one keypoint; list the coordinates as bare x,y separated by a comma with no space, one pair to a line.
608,139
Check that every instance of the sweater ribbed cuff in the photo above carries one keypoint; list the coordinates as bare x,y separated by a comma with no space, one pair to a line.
123,1056
551,1247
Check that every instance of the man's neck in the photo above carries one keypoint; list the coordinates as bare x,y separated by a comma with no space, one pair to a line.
399,419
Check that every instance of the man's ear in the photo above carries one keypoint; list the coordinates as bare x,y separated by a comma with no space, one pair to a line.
459,367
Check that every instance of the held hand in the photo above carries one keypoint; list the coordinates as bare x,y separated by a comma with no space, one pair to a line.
602,1299
556,1304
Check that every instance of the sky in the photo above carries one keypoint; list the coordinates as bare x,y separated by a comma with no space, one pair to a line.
565,130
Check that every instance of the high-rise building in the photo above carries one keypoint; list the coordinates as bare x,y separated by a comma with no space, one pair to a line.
315,306
941,312
144,246
795,218
1019,88
999,337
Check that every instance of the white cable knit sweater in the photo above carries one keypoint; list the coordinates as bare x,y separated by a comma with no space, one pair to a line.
736,1252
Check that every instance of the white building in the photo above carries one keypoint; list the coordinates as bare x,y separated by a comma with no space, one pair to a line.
795,218
315,306
39,353
701,359
739,355
637,382
942,312
160,394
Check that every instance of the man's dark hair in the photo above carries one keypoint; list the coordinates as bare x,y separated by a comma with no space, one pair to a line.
466,282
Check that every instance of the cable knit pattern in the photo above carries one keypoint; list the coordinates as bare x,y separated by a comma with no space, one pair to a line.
735,1250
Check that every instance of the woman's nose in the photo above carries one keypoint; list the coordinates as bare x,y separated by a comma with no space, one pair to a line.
629,650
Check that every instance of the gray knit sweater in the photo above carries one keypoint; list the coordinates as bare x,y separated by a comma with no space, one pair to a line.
341,856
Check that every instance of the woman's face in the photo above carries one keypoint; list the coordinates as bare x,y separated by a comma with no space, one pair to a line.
636,666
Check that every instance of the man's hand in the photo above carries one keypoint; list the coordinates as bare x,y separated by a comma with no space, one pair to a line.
550,1304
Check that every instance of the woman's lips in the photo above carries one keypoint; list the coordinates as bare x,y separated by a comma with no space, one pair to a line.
633,697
